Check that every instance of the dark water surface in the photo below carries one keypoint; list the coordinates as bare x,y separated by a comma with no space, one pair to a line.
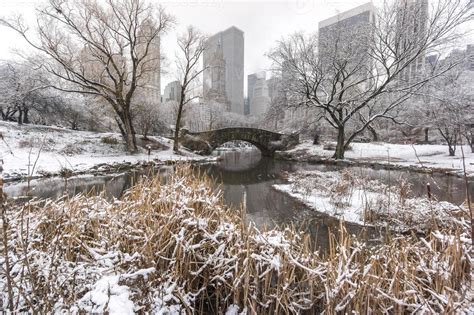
246,178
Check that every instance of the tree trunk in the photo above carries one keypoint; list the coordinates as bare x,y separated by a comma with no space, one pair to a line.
20,117
316,139
177,126
451,149
471,141
340,148
452,145
120,125
26,119
130,139
375,136
450,138
426,130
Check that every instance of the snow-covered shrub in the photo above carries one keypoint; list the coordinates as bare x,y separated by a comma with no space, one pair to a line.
329,146
109,140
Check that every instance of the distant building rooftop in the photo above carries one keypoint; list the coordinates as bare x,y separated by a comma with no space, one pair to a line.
369,6
227,30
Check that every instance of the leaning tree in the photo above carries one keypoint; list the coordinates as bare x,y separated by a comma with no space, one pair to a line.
108,49
354,74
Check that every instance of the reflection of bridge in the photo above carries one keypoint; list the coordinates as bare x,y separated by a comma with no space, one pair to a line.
264,170
266,141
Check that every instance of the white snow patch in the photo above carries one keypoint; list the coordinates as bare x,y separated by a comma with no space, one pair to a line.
108,296
417,155
32,150
345,195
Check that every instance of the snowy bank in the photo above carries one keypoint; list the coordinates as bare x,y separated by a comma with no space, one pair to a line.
354,198
421,156
32,150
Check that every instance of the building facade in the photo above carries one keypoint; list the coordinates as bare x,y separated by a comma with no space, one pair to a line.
149,89
412,19
342,22
251,80
172,92
223,78
346,35
258,94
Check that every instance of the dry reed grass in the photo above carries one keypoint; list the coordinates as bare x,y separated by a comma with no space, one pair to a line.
176,247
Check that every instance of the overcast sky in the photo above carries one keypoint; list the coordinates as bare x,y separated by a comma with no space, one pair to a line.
263,22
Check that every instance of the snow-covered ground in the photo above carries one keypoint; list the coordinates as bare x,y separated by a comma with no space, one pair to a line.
417,155
35,150
346,195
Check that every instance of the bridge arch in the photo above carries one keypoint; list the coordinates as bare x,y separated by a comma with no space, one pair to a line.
266,141
259,146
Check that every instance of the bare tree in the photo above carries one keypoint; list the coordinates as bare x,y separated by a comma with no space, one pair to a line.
146,116
20,88
106,49
276,108
468,133
205,116
348,70
191,45
451,107
168,111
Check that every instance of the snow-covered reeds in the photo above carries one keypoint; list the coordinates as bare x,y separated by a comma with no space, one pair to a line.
357,198
175,247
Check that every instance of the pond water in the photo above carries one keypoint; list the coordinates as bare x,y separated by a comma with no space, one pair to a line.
247,179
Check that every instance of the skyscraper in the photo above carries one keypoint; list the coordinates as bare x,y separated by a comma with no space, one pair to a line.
346,36
153,85
150,85
412,18
172,92
214,75
224,73
258,94
352,19
251,80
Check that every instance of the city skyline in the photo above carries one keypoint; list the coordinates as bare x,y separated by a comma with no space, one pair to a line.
262,31
282,18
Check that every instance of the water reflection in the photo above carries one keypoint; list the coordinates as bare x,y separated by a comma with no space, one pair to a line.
253,189
247,180
112,185
248,183
247,174
443,187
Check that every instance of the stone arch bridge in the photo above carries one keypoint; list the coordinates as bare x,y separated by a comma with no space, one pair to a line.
266,141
